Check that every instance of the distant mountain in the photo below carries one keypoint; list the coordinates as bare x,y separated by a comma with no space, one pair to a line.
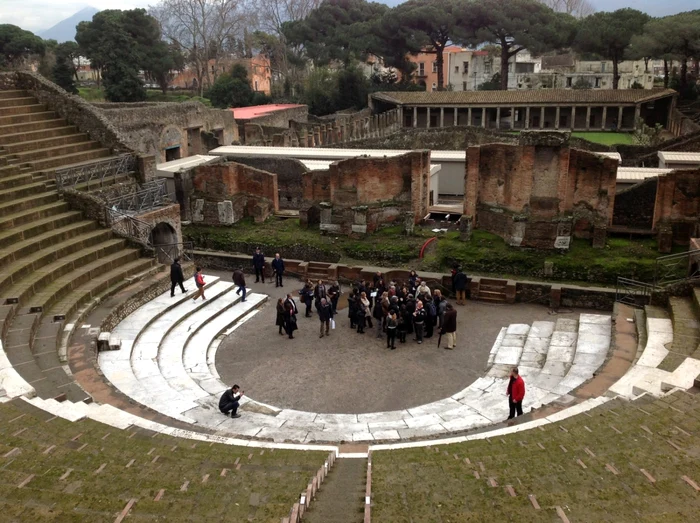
65,30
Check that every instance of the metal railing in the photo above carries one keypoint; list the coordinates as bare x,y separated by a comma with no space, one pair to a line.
129,226
94,172
632,292
676,268
151,195
170,251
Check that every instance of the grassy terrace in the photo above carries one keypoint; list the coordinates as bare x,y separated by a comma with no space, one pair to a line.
87,471
606,138
590,467
93,94
485,254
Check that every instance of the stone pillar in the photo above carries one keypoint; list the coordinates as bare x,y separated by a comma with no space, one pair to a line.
556,118
619,117
541,117
588,118
427,118
512,117
465,228
605,117
483,117
409,223
376,125
442,117
415,117
317,135
498,117
469,116
455,121
573,117
400,115
527,117
664,238
600,235
637,114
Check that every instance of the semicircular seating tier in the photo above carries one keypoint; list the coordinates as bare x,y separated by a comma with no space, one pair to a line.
168,346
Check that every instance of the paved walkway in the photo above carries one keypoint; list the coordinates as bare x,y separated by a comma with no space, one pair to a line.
354,373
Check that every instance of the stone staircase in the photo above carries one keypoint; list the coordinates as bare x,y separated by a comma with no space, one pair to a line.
54,261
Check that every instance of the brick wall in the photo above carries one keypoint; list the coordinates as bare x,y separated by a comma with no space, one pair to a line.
224,193
539,190
289,171
678,204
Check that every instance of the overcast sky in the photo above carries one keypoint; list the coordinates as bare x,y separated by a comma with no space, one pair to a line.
37,15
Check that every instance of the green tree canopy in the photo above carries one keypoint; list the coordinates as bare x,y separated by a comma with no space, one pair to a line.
232,89
609,34
513,26
432,26
17,44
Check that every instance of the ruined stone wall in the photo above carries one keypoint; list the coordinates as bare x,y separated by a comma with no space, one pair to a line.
224,193
282,117
677,207
316,186
540,192
634,206
289,171
151,128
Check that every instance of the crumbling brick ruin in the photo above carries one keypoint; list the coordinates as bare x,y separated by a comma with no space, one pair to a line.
541,192
677,208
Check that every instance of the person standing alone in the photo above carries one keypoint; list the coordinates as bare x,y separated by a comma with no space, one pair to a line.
176,277
449,327
239,281
325,314
460,282
278,269
516,393
259,265
199,282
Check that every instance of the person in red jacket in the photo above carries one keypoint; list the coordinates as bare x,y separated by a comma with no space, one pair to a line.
515,393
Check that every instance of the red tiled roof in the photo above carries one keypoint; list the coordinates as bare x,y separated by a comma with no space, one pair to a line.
247,113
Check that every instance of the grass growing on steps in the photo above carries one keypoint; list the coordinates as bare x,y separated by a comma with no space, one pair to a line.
485,253
387,245
488,253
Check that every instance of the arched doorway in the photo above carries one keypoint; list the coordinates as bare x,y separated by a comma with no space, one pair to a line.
163,237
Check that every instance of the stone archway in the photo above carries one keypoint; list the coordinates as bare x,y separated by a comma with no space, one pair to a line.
164,238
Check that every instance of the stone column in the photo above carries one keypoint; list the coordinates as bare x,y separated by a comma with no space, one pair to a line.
619,117
573,117
637,114
541,117
588,118
376,125
556,118
415,117
483,117
455,121
442,117
427,117
400,115
605,117
469,116
527,117
498,117
512,117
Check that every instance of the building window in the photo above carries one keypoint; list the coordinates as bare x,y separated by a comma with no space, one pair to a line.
602,67
435,68
487,68
256,85
456,68
434,86
421,69
464,86
465,67
568,81
597,81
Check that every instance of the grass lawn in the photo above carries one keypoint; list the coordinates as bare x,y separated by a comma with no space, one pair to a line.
93,94
606,138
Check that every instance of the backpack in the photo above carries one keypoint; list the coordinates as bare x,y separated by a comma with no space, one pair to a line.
431,308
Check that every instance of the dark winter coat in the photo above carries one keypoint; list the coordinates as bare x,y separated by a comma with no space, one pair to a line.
325,312
278,265
450,322
176,275
460,281
239,278
279,322
258,260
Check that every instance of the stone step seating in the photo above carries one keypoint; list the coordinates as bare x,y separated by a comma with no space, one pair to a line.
84,470
646,376
621,461
492,290
685,316
481,404
149,366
